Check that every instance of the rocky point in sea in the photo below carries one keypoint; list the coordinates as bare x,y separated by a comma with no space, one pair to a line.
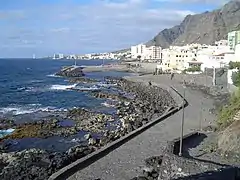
71,71
137,104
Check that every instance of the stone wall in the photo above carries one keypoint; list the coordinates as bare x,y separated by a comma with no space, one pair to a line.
221,75
170,166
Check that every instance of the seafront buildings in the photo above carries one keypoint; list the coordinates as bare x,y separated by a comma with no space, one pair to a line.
177,58
198,56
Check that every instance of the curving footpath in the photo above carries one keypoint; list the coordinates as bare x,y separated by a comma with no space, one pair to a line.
126,161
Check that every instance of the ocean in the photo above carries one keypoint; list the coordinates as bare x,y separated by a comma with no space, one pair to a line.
29,85
29,90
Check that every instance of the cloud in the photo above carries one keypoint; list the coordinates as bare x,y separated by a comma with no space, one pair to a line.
214,2
93,27
12,15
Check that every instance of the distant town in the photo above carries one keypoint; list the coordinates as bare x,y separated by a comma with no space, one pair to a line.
105,55
176,57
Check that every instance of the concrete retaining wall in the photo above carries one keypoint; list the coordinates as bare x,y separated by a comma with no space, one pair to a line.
183,168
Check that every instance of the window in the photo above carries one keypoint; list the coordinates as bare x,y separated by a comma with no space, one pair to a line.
176,55
186,55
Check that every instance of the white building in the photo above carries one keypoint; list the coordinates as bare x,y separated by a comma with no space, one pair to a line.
141,51
58,56
222,43
177,57
215,56
153,53
138,51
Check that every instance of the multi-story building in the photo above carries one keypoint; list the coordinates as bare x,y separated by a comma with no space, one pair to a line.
177,58
233,39
153,53
138,51
146,53
58,56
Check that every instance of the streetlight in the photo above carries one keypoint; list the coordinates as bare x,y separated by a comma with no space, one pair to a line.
182,121
214,76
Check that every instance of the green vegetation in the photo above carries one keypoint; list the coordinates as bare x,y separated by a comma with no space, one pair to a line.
234,65
227,113
192,69
236,78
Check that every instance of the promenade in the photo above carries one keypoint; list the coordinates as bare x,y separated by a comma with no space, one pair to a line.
126,162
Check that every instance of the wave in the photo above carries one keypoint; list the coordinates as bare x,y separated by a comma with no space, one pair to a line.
6,132
105,84
62,87
109,103
92,88
28,109
53,75
15,110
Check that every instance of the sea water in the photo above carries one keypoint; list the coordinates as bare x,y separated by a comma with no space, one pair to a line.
29,90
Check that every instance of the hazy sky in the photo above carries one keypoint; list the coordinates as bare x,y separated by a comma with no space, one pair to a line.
43,27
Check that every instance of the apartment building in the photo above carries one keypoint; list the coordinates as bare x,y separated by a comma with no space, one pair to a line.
146,53
177,58
153,53
233,39
138,51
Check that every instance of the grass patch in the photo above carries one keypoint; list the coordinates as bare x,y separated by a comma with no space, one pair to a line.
227,113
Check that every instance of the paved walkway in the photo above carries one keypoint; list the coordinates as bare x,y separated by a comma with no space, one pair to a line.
125,162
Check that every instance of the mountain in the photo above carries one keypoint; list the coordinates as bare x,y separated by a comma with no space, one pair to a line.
205,28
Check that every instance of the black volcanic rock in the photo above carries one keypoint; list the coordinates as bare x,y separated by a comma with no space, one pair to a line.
205,28
71,71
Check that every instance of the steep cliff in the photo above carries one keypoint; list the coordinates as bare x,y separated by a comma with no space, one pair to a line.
205,28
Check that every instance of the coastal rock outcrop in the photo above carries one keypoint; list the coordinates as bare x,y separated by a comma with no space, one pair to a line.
89,121
82,80
71,71
38,164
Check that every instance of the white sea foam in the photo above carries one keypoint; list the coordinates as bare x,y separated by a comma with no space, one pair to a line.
28,109
53,75
62,87
109,103
16,110
6,132
105,85
92,88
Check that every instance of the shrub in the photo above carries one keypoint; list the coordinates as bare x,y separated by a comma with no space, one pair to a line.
193,69
227,113
236,78
234,65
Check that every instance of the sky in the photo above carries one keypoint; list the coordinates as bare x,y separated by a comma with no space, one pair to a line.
45,27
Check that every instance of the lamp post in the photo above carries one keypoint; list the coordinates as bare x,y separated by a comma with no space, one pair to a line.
201,116
214,76
182,121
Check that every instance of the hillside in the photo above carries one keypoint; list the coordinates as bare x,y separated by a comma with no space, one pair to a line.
205,28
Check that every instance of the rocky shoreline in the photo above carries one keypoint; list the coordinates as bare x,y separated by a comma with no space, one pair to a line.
70,71
137,106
